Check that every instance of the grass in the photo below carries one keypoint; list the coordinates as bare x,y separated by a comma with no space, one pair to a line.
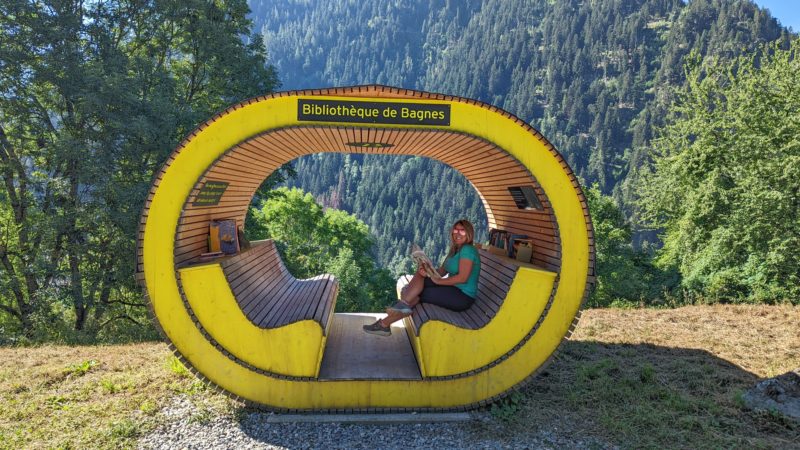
645,378
637,378
91,396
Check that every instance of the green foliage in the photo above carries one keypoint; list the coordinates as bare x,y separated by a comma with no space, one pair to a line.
57,402
124,429
402,199
725,187
95,95
594,77
109,387
176,366
313,240
624,275
81,369
509,407
149,407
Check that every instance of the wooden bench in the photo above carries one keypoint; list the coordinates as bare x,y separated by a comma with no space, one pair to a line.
270,296
512,296
495,279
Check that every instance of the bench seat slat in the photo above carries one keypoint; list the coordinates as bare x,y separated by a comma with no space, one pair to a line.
309,307
260,298
270,296
260,294
243,284
263,259
286,305
275,299
326,310
497,275
296,302
243,257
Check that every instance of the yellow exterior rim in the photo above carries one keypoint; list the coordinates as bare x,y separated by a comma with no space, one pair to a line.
244,122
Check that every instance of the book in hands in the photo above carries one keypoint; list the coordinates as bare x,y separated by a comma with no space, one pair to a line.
422,260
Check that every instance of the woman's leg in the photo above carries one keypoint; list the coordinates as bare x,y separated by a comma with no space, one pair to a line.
449,297
392,317
408,295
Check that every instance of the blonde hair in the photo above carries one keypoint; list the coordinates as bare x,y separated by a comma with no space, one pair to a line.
470,235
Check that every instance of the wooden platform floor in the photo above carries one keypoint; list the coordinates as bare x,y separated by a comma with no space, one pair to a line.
352,354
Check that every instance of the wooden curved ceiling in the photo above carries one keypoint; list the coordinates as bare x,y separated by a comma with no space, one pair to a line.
490,170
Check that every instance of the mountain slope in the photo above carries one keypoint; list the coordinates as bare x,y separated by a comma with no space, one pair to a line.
593,76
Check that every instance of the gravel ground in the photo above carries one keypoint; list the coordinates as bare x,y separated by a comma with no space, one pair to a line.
252,431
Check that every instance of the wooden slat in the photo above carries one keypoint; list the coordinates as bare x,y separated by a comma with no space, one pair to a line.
313,297
260,263
327,307
273,282
269,278
274,297
295,303
254,295
256,248
280,304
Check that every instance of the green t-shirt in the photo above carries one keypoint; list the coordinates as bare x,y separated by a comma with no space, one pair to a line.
470,287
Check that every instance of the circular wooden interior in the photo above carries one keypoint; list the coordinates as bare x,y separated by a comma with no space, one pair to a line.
281,356
491,171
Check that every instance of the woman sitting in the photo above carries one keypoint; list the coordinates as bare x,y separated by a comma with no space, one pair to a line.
455,291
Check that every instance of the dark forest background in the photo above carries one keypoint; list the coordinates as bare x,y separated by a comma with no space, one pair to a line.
680,118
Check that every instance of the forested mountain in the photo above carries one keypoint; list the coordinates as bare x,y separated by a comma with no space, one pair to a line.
403,199
594,77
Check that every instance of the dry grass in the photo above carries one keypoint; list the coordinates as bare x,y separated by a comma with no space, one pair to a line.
763,340
652,378
636,378
89,396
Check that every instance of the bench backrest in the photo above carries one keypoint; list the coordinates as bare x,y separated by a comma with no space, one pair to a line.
496,276
270,296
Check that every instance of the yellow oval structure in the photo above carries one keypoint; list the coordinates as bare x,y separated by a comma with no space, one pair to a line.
244,324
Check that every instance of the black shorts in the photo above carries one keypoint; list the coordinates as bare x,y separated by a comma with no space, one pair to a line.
449,297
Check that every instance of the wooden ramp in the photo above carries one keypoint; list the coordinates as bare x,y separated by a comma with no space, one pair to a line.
352,354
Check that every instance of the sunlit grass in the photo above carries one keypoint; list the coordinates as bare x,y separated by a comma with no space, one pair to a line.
637,378
90,396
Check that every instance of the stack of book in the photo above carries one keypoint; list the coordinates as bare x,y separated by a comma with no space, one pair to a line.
505,243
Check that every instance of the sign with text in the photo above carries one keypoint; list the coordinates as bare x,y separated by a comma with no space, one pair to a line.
369,144
210,194
351,111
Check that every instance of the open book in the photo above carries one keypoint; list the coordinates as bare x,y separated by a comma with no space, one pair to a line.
422,260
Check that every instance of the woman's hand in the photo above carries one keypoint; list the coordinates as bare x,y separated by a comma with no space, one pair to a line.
421,271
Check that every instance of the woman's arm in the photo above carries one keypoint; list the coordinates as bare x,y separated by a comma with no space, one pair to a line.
464,271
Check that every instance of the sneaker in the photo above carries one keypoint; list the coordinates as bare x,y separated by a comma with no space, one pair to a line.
401,308
377,328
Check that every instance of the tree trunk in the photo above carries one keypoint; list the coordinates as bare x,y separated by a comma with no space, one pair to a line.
16,186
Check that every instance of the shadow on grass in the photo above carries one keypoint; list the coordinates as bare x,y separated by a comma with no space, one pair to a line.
633,396
647,396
